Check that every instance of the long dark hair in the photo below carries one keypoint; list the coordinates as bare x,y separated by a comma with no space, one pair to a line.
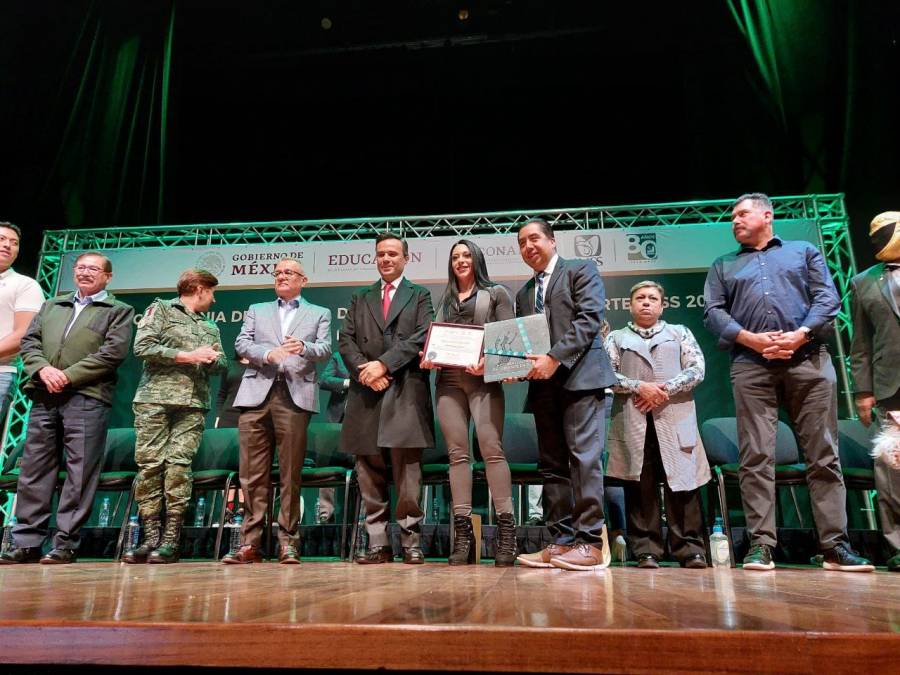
450,298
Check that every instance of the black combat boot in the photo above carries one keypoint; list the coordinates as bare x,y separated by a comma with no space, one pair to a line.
139,555
463,542
506,541
170,547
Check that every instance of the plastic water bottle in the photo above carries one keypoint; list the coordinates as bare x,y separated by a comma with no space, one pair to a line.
435,510
718,544
200,512
235,526
103,518
133,534
7,544
362,537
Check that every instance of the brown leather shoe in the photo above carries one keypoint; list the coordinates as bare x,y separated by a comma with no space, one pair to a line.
244,555
413,556
376,555
542,557
288,555
582,558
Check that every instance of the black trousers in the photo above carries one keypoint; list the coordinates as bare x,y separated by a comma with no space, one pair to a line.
571,428
70,427
684,515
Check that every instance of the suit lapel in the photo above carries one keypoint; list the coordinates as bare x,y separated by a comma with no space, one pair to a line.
528,298
885,284
299,315
373,300
558,271
402,296
276,321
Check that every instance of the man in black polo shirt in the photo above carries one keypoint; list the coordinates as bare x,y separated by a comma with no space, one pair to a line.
772,303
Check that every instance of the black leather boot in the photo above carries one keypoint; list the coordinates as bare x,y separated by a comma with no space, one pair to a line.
463,542
506,541
169,549
134,556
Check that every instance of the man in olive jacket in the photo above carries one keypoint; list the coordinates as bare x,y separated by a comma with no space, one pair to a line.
71,353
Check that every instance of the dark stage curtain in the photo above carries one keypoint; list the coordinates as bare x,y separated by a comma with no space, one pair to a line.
110,122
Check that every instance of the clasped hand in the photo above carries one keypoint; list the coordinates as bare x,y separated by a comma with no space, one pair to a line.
290,347
776,344
53,378
649,396
373,374
205,354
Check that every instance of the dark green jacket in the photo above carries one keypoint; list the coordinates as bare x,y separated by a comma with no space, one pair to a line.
95,347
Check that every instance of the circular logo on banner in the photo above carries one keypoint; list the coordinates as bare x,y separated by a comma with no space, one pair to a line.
212,262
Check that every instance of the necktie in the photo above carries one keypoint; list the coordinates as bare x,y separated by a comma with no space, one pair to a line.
539,299
386,300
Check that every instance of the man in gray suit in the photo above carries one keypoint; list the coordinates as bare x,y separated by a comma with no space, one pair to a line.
874,355
282,340
567,398
388,419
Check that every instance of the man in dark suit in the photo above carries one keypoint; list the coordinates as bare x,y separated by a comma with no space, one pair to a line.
567,398
874,355
388,418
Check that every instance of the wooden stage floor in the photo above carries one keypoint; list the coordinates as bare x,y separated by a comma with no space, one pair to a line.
433,617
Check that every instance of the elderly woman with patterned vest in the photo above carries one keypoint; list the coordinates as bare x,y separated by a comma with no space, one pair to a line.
653,435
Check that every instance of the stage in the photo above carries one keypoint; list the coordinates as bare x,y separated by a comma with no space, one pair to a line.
338,615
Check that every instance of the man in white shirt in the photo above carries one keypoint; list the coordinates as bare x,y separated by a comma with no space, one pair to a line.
20,300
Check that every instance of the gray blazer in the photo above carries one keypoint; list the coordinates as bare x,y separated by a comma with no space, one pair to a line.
658,360
875,350
261,333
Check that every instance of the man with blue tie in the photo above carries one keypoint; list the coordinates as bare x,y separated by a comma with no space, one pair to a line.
567,396
282,340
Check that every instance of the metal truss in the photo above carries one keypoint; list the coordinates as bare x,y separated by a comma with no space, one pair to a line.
827,211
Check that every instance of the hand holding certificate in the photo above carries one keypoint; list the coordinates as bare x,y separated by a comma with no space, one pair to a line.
507,345
452,345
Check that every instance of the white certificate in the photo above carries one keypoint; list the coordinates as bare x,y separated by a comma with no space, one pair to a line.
454,345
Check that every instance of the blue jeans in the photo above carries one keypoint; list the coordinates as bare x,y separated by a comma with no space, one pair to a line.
7,389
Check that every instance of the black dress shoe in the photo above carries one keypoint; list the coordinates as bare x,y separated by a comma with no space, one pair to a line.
376,555
18,556
59,556
413,556
695,562
648,561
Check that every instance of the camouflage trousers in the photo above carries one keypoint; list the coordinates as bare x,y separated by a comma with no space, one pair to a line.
166,440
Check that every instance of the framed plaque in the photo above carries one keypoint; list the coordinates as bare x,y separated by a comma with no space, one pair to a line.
454,345
507,344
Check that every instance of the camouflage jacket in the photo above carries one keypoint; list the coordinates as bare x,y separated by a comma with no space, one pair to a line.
168,327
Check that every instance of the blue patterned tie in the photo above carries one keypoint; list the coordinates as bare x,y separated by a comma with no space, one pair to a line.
539,299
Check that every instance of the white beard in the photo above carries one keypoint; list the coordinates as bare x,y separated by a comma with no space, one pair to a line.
886,445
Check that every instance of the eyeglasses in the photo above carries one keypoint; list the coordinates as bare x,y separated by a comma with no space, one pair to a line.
89,268
287,273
